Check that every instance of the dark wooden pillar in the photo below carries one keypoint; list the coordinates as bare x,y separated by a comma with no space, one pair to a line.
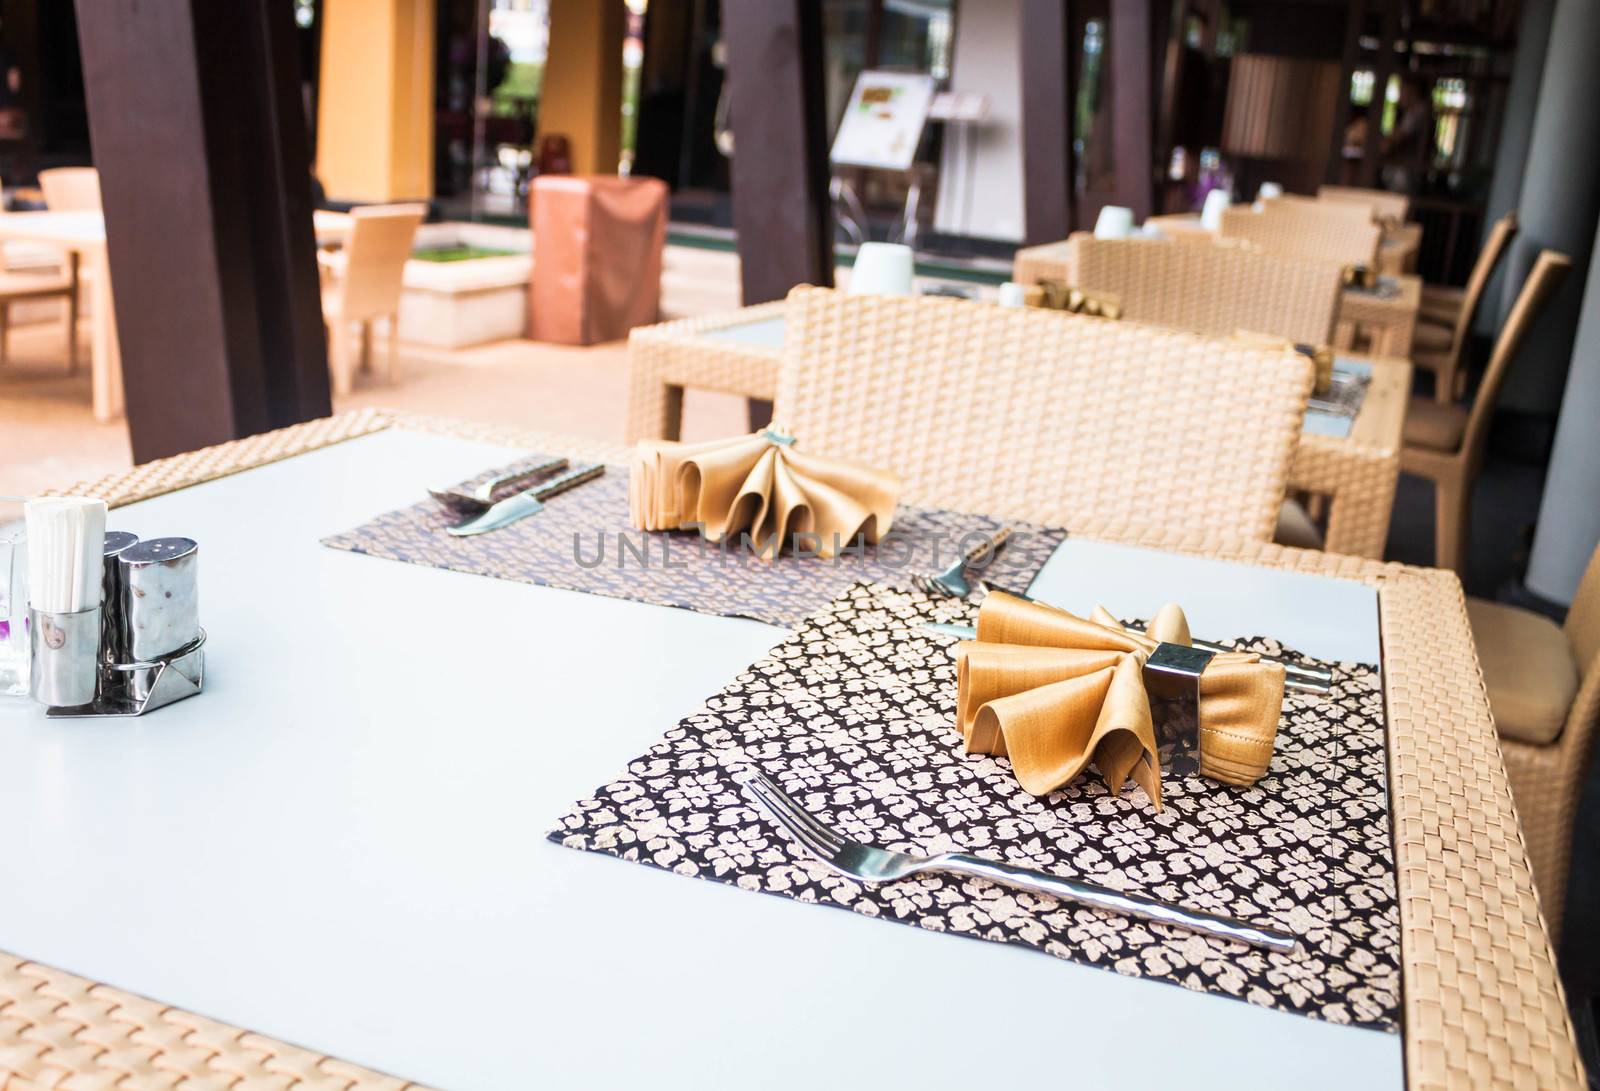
1382,69
781,209
200,139
1046,55
1132,130
1355,16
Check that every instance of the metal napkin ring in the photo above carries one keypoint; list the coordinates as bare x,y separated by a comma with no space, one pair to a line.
1172,679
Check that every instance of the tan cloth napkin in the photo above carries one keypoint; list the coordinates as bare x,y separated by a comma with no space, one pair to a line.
1053,692
760,485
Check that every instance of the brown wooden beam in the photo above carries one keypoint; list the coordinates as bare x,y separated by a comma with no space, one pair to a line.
1047,63
1382,69
1355,16
1133,131
200,139
781,209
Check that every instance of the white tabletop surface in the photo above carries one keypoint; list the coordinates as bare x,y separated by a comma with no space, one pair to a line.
341,843
78,229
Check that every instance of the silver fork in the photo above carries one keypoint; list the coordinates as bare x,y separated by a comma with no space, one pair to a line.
868,864
952,582
482,498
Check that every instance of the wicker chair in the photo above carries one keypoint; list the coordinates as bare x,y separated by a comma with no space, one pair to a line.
1441,304
1217,290
1310,230
1439,349
1382,204
1544,690
1446,442
1045,416
365,282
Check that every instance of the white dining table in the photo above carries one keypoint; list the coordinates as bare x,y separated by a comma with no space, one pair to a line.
341,842
84,234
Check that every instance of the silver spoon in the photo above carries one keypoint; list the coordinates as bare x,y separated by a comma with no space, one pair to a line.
482,498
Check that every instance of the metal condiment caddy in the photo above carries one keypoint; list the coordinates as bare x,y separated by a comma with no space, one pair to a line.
150,648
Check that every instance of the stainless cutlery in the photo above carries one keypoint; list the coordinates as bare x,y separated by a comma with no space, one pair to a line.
479,499
952,582
869,864
524,504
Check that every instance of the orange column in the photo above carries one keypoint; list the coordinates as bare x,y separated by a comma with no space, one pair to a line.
375,100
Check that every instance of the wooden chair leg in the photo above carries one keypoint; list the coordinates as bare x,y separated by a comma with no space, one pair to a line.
1452,508
339,364
5,332
1444,385
366,344
394,347
72,316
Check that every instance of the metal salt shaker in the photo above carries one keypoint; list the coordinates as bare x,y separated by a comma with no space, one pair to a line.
160,600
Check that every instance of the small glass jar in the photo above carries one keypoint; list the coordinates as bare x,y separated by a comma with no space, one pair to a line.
13,599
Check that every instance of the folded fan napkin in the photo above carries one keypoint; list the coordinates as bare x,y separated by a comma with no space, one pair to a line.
762,486
1053,692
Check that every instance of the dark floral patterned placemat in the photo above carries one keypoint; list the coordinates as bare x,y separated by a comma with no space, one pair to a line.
581,541
854,716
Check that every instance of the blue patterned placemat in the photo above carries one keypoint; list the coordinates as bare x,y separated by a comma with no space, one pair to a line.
582,542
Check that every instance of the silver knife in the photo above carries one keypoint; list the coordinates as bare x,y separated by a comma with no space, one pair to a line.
524,504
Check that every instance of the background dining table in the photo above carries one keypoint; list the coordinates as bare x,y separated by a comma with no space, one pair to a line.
84,233
340,844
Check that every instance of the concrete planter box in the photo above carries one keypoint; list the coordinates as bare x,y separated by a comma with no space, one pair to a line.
454,304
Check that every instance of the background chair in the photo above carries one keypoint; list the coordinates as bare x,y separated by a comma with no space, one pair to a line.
1057,418
71,189
1216,290
1439,349
1446,442
366,278
1383,204
1441,305
35,272
1310,230
1544,690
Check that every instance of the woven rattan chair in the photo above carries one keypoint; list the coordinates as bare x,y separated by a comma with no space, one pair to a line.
1382,204
366,278
1216,290
1441,304
71,189
1057,418
1439,349
1310,230
1544,690
1446,442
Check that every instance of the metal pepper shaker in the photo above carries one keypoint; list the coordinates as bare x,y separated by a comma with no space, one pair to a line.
160,598
113,618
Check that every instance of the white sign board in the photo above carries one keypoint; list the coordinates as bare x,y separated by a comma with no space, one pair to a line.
883,121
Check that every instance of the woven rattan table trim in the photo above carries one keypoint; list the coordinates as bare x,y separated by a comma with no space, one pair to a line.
664,359
1483,1006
